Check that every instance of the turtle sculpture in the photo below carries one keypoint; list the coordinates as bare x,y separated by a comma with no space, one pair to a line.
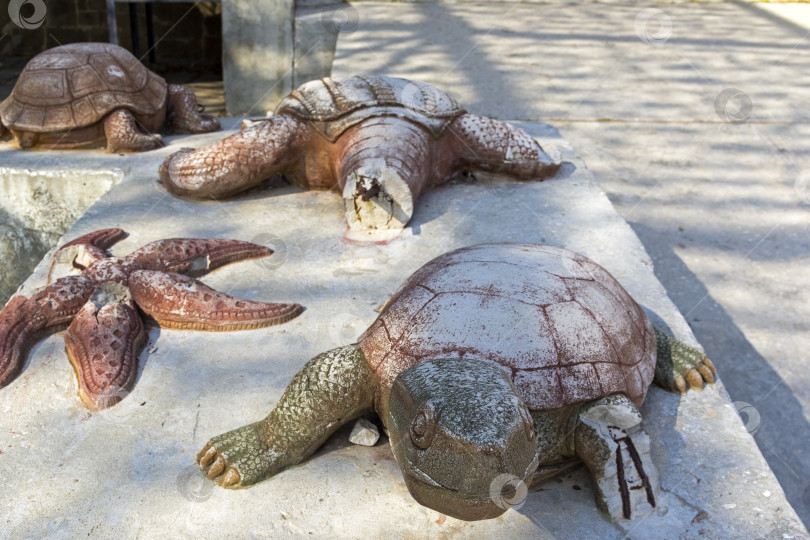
379,140
80,94
491,367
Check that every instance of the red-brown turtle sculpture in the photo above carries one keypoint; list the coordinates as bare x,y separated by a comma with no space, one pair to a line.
82,94
492,367
106,331
379,140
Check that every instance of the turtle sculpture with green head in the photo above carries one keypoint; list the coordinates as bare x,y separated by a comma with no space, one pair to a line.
492,367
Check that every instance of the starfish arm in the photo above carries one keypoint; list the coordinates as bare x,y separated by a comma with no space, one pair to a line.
237,162
23,318
178,301
102,344
195,256
84,251
484,144
101,239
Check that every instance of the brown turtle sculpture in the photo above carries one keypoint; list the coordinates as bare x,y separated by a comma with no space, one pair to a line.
379,140
492,367
82,94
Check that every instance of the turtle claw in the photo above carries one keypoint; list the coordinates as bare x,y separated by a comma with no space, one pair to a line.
217,468
708,374
230,478
680,367
694,379
206,455
238,458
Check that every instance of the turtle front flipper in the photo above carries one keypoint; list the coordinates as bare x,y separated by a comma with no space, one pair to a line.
183,113
237,162
492,146
610,440
679,365
123,134
331,389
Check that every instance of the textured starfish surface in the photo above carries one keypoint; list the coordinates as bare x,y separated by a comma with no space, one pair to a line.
103,306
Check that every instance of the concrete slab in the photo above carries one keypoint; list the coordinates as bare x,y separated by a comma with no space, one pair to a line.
129,471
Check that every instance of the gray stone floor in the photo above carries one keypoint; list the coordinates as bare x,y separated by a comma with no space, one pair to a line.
693,117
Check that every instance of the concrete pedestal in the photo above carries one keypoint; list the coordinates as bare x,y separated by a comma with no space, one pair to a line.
129,472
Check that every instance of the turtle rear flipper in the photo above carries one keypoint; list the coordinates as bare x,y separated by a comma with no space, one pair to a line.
679,364
183,113
331,389
611,442
496,147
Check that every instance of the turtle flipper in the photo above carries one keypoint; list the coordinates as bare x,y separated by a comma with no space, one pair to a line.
183,116
237,162
611,442
123,134
679,365
497,147
330,390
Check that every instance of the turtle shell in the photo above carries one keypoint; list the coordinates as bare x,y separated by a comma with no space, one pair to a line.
77,85
557,322
334,105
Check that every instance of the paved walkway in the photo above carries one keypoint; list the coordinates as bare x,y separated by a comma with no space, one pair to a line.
694,119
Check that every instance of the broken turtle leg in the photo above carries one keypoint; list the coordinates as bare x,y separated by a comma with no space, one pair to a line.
380,189
616,450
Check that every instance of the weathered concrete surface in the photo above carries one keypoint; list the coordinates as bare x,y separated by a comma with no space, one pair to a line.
129,471
257,54
716,186
42,193
37,206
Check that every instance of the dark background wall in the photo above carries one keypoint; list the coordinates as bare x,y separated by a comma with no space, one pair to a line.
189,37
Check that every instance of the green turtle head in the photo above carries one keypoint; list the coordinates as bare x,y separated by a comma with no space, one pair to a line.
458,428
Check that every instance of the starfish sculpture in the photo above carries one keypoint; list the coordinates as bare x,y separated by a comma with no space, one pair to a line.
106,332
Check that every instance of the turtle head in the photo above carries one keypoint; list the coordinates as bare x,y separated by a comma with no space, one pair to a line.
462,436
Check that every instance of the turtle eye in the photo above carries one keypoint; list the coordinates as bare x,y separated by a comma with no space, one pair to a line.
423,427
